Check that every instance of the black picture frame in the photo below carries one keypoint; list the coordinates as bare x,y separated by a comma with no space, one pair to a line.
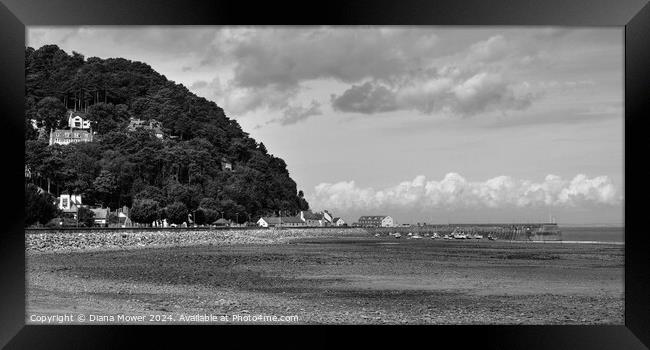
634,15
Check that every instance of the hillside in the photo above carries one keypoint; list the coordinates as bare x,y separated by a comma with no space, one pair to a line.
182,171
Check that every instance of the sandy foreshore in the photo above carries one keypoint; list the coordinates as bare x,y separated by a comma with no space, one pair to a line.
328,277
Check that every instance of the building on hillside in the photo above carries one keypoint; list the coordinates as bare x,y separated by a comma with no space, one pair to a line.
376,221
28,172
311,219
226,164
70,203
339,222
77,120
66,137
285,221
151,124
101,216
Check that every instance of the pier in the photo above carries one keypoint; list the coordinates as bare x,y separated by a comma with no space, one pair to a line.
502,231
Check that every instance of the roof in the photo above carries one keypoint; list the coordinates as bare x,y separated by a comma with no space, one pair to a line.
71,132
336,219
221,221
76,114
373,217
311,216
100,213
285,220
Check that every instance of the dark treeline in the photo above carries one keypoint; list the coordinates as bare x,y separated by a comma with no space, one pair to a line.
157,177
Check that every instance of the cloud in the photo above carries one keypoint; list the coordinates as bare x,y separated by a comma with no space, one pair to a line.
295,114
450,91
454,191
383,69
492,49
368,98
288,56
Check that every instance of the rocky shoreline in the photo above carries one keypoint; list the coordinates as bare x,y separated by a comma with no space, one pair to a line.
46,241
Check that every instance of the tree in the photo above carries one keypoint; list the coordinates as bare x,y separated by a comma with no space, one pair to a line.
177,213
210,215
50,112
302,202
199,217
39,206
105,186
145,211
121,167
85,217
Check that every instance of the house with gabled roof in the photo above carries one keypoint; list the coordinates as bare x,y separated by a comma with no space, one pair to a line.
338,222
310,219
101,216
284,221
70,203
376,221
78,120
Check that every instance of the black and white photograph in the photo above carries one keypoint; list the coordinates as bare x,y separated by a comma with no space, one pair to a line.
352,175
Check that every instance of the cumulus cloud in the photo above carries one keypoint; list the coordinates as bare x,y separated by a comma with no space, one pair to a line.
368,98
295,114
449,91
454,191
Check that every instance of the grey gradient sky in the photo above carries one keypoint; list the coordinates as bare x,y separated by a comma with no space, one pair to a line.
430,124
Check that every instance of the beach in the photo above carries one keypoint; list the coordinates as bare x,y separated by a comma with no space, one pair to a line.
324,277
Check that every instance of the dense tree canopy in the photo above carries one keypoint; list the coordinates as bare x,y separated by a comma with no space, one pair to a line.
39,207
123,166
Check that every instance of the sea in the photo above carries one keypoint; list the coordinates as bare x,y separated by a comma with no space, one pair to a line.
609,234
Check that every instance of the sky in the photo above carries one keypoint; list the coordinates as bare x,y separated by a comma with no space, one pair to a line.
435,124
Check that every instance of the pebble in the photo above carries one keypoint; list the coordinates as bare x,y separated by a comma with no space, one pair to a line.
60,240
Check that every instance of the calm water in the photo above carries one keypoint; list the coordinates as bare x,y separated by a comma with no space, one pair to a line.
602,234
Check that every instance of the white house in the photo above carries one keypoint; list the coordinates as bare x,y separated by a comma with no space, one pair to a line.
285,221
376,221
311,219
70,203
66,137
338,222
328,218
76,121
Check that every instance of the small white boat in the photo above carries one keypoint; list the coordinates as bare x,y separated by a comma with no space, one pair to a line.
416,236
397,235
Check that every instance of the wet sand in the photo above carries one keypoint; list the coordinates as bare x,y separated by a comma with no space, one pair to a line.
347,280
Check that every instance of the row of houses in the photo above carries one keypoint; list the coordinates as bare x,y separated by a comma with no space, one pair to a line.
304,219
69,204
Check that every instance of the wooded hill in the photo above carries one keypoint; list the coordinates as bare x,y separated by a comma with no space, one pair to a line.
136,168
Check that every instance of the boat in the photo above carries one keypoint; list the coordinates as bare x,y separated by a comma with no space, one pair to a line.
397,235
